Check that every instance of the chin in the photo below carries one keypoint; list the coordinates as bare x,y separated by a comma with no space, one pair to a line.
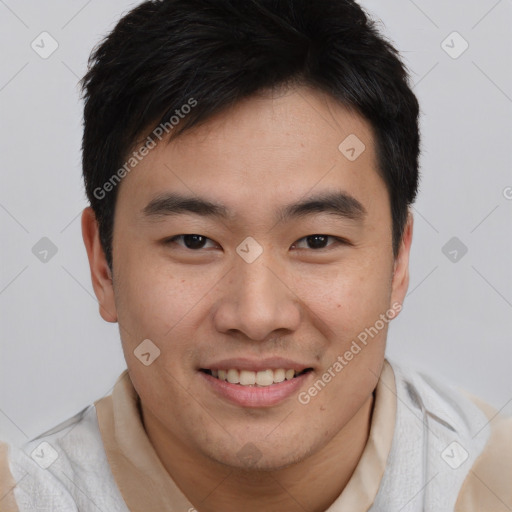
254,456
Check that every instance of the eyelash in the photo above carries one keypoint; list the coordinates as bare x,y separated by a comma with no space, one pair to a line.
338,241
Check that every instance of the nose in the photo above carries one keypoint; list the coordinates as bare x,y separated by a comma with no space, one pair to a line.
257,300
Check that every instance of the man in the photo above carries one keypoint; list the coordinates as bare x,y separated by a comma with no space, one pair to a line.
250,167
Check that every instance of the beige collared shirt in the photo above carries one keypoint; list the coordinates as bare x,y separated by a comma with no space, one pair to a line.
145,485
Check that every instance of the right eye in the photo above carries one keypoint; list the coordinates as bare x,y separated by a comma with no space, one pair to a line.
193,242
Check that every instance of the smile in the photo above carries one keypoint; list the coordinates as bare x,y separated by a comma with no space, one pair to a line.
255,389
255,379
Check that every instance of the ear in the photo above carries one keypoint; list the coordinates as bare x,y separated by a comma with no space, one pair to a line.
100,272
400,281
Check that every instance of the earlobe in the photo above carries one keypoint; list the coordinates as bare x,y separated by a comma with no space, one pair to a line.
100,272
400,282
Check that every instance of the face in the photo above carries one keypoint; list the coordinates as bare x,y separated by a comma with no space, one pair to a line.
290,269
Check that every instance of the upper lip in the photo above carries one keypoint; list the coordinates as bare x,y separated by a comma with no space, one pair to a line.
272,363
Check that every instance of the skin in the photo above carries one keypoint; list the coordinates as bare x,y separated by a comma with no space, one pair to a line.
294,301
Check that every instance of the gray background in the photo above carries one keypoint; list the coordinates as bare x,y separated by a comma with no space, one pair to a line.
58,355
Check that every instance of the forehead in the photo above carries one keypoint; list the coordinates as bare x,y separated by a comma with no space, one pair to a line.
272,147
272,124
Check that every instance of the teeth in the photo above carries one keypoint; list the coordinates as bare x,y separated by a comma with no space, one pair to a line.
250,378
279,375
233,376
247,378
265,378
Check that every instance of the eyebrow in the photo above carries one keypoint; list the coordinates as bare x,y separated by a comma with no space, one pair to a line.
340,204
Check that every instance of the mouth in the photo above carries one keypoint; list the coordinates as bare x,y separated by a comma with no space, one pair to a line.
256,387
255,379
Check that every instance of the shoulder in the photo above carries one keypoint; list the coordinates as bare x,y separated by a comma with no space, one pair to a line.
31,471
443,403
488,485
64,469
485,434
7,481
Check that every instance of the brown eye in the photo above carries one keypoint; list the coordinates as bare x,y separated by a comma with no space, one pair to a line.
190,241
318,242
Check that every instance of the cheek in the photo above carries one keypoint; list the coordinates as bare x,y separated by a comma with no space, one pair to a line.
347,296
153,298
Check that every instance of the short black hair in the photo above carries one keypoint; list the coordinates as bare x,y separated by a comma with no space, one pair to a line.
164,54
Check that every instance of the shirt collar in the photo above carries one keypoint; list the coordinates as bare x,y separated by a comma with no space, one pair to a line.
145,484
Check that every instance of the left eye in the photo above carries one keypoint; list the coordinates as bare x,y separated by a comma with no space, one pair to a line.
318,241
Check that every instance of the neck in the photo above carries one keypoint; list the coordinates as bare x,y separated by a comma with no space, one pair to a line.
311,484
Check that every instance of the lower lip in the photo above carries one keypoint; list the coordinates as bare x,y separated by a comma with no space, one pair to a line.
254,396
